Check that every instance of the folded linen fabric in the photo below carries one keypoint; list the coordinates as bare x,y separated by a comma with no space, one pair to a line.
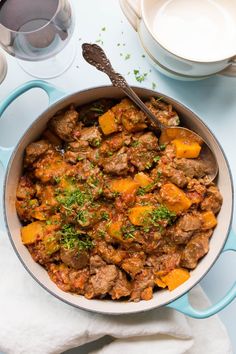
34,322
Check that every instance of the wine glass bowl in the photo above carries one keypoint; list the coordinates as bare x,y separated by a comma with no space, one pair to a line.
33,30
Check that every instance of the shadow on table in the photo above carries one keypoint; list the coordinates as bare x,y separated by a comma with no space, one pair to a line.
89,347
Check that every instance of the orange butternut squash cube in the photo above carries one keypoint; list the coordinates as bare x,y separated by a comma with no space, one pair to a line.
186,148
132,126
124,104
107,123
32,232
209,220
138,214
124,185
115,230
39,215
174,198
51,243
175,278
142,179
160,283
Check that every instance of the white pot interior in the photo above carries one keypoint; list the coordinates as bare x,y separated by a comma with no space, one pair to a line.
106,306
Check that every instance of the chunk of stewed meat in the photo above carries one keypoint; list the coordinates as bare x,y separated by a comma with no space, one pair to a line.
84,170
35,150
134,265
192,167
165,262
77,151
41,255
64,123
50,166
104,279
109,253
121,288
114,143
183,230
116,164
68,279
148,141
96,262
141,158
163,111
142,281
26,189
197,247
92,135
25,209
172,174
213,200
142,154
74,258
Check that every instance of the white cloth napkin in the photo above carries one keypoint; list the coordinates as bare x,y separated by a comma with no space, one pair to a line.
34,322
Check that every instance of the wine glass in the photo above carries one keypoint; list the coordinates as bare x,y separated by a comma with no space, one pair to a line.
38,31
3,67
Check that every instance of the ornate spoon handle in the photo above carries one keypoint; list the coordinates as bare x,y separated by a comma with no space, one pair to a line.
95,56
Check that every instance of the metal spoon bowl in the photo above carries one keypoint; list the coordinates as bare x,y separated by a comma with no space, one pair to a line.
95,56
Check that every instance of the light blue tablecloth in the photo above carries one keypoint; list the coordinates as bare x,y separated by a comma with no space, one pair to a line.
214,100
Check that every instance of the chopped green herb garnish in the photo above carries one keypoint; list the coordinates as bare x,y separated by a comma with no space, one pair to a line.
103,29
93,181
148,165
162,213
144,190
135,143
101,233
96,142
79,158
154,85
49,222
57,179
100,191
139,77
82,217
118,44
99,41
97,109
115,194
127,56
128,232
156,158
71,239
162,147
71,198
105,215
143,56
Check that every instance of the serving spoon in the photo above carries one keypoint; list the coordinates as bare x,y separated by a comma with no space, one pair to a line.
95,56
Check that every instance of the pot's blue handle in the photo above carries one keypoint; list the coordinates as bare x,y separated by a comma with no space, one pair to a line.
53,94
182,304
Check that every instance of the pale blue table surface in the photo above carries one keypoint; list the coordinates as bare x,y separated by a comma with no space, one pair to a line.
214,100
